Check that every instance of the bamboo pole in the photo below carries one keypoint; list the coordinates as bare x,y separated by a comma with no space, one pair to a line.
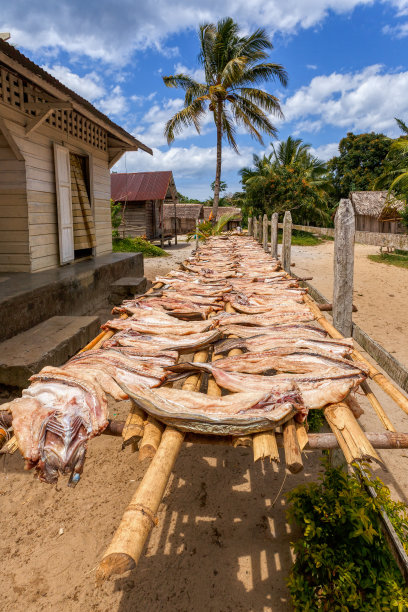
150,442
377,406
265,445
140,516
293,456
374,374
134,427
351,438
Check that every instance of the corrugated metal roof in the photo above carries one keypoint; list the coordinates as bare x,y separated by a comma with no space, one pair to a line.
15,55
139,186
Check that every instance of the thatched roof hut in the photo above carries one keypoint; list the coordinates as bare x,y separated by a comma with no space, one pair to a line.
187,215
223,210
376,212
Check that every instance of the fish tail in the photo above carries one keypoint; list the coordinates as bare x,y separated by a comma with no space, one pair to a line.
223,346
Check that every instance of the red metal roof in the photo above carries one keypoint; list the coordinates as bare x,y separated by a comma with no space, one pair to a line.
137,186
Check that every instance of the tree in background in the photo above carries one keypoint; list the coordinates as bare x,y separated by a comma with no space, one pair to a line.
289,178
359,164
234,66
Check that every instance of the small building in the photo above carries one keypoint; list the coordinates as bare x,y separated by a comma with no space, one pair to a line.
143,196
186,216
375,212
56,151
225,210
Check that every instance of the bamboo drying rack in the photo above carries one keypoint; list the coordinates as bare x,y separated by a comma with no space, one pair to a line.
161,445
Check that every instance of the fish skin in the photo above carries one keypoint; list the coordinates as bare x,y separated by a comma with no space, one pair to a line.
268,342
289,329
158,325
184,344
316,389
267,319
285,360
235,414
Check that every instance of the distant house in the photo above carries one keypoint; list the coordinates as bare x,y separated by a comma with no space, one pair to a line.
144,196
56,150
186,216
225,210
375,213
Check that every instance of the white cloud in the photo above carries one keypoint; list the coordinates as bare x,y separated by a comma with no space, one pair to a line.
100,30
185,162
115,103
365,100
88,86
311,66
326,151
197,74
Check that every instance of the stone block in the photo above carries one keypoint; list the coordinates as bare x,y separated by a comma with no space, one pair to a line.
126,288
51,342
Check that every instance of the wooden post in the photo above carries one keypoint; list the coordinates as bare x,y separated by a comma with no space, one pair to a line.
286,241
344,224
255,228
250,226
196,236
162,224
175,222
274,235
265,233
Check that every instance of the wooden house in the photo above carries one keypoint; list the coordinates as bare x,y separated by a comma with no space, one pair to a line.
225,210
143,196
56,151
375,212
186,215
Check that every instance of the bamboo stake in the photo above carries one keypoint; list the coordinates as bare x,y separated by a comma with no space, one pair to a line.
379,378
265,445
140,515
134,427
351,438
293,456
152,435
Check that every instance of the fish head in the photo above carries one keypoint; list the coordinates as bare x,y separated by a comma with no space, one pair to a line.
63,444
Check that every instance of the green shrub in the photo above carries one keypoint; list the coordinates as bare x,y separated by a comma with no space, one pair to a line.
301,238
315,420
137,245
342,558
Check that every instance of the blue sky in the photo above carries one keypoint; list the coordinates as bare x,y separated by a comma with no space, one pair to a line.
346,59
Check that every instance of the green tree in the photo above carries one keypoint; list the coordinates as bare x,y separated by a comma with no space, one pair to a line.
289,178
359,164
234,66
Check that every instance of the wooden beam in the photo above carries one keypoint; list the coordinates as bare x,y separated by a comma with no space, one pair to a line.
344,224
57,105
116,157
35,122
10,140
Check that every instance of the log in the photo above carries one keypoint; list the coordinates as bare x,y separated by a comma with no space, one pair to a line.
301,434
293,456
150,442
140,516
265,446
134,427
274,235
351,438
286,241
344,224
329,307
374,374
265,229
250,226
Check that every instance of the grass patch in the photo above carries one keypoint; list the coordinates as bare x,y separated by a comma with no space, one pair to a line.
137,245
391,259
326,237
301,238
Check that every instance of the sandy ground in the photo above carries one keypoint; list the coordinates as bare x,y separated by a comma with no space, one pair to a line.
222,542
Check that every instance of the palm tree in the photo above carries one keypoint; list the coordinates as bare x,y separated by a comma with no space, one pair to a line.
395,174
232,65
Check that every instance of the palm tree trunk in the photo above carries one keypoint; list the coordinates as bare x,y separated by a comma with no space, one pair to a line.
218,165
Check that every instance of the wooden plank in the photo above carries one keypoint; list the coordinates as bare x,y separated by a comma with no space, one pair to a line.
10,140
344,225
14,258
10,211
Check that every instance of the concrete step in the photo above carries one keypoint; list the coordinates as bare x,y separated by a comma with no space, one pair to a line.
51,342
126,288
